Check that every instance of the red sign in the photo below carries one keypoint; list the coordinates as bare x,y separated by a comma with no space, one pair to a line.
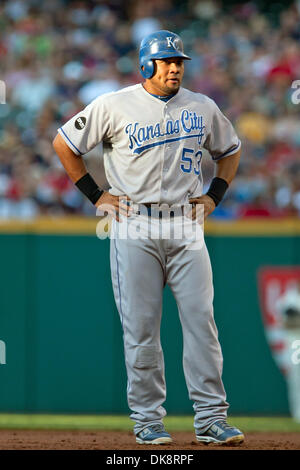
273,282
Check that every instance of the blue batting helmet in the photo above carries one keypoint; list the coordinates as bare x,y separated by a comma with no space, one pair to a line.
159,45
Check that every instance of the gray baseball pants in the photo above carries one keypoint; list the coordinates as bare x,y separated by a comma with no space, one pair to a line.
140,269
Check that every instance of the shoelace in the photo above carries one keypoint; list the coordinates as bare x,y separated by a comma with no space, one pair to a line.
224,424
157,427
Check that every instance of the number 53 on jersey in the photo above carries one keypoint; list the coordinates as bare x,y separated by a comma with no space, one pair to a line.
191,161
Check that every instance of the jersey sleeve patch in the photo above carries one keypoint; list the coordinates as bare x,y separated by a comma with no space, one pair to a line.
88,127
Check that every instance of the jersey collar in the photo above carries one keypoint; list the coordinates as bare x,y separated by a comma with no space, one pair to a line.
156,97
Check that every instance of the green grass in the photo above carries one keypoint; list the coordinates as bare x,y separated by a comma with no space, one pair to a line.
123,423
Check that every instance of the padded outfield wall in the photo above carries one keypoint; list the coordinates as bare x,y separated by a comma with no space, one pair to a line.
61,330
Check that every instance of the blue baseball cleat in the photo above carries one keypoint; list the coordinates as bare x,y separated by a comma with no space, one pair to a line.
221,433
154,434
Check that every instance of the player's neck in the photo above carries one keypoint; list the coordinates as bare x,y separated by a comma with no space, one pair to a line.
157,92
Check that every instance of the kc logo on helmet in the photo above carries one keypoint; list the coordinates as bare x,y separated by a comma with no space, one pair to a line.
171,42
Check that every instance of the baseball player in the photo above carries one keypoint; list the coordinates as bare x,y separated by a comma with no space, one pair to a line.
153,136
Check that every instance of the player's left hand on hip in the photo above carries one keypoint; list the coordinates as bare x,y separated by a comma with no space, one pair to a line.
208,206
114,206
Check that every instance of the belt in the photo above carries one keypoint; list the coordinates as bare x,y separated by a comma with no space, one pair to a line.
154,210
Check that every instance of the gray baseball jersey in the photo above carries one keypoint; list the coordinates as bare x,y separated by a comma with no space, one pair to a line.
152,153
152,149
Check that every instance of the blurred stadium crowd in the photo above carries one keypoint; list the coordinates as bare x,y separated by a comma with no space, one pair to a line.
56,56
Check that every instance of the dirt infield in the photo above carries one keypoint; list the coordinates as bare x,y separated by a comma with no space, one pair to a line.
115,440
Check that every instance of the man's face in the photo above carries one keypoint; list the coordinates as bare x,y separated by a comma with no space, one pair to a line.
167,76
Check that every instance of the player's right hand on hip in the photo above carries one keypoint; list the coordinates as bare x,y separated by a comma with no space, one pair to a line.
208,206
113,206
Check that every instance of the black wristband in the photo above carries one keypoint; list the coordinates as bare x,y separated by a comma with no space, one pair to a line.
217,189
89,188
